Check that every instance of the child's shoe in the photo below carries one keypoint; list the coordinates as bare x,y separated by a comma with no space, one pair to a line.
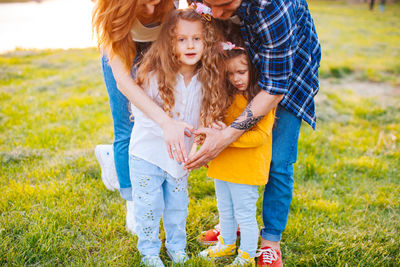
210,237
105,157
219,250
242,259
177,256
152,261
270,257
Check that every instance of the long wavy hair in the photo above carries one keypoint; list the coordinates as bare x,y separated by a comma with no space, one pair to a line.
112,22
162,60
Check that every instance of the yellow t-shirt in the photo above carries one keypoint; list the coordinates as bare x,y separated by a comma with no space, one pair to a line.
247,160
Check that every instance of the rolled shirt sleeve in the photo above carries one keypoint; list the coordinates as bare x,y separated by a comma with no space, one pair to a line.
272,52
283,46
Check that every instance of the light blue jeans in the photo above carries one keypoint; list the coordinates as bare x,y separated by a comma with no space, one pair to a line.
237,204
119,105
279,189
157,193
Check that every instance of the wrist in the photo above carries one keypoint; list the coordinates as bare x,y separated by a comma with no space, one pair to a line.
165,121
231,134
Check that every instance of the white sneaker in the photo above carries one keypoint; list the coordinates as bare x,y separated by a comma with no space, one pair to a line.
177,256
130,218
105,156
152,261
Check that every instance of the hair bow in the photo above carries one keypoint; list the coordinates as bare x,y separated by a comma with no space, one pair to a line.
202,10
229,46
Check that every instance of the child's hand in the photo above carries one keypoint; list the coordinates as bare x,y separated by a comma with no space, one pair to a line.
218,125
174,132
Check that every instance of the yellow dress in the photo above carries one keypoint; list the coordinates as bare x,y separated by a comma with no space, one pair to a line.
247,160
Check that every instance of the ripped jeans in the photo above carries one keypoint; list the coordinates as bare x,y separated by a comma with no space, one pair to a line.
157,193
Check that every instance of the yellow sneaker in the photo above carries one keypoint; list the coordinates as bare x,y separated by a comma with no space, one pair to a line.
242,259
219,250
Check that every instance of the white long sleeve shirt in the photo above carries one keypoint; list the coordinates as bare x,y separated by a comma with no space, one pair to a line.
147,138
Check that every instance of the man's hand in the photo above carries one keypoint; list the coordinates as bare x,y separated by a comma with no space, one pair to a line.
218,125
214,143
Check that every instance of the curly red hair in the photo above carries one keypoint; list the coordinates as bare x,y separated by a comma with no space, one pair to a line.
162,61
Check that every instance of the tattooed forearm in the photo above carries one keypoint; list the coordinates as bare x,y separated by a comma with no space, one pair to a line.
246,120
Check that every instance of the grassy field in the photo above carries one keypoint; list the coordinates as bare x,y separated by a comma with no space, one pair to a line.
54,209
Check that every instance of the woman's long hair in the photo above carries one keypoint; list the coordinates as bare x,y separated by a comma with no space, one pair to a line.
112,22
162,60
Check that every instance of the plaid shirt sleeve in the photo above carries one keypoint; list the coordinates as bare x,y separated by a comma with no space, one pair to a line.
270,30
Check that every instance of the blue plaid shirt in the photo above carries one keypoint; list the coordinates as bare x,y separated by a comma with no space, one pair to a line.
283,45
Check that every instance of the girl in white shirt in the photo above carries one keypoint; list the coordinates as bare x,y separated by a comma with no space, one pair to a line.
181,73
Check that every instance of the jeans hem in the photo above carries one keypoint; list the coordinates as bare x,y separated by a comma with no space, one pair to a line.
126,193
270,237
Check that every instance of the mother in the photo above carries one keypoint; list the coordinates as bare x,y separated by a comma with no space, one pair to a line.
125,29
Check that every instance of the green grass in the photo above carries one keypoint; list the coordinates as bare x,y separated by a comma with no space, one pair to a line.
357,40
54,209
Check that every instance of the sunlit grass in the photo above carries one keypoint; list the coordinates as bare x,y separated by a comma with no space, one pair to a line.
54,209
358,40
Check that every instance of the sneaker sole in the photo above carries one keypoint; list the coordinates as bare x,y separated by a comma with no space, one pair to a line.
207,242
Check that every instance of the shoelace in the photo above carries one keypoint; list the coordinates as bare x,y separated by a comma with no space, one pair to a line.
239,260
269,255
218,247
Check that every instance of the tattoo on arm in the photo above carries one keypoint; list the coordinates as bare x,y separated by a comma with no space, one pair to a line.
246,120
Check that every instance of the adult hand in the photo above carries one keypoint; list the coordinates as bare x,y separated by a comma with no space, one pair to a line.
174,136
215,141
219,125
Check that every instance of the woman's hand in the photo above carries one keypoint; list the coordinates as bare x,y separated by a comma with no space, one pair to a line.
174,136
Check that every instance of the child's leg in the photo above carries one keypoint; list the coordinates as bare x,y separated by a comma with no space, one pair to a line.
244,199
148,196
175,212
225,210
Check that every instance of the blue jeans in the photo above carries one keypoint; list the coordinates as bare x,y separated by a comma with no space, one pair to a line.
238,203
119,105
157,193
279,189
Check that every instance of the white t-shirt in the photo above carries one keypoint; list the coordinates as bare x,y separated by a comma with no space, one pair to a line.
147,138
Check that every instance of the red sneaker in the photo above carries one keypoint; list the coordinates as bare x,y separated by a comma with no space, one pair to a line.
270,257
210,237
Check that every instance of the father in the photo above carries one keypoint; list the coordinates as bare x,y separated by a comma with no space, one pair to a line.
283,45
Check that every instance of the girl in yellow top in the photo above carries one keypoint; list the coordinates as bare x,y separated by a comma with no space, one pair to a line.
241,167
